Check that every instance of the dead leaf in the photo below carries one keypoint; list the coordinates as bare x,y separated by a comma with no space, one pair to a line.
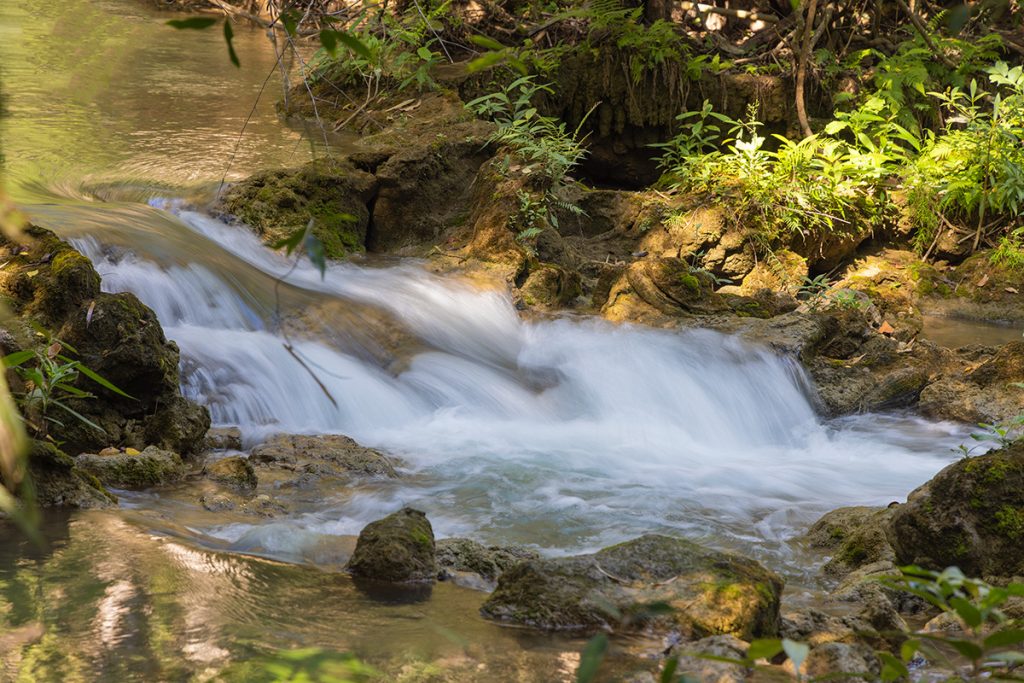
110,450
854,361
32,273
52,350
1011,290
983,281
886,328
131,451
88,314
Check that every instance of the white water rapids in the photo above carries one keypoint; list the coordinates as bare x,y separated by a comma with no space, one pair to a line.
567,434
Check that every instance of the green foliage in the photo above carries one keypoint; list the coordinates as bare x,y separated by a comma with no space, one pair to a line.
1010,251
815,185
973,171
542,144
987,638
303,240
50,380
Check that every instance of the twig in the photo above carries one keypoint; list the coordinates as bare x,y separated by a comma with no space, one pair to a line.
923,31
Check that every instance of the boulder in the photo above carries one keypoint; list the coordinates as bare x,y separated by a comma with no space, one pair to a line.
848,661
710,592
971,514
855,536
331,193
397,549
59,482
487,562
48,283
151,467
234,471
983,392
695,659
223,438
326,455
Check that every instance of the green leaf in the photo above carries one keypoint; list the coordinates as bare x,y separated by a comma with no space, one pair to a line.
591,658
192,23
966,611
96,377
13,360
909,649
424,53
291,242
330,38
485,61
797,652
228,35
764,648
892,668
290,19
1003,638
315,251
81,418
668,672
486,43
968,649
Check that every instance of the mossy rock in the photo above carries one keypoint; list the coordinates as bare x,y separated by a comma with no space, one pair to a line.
971,514
151,467
856,536
709,592
465,555
329,454
334,195
59,482
234,471
397,549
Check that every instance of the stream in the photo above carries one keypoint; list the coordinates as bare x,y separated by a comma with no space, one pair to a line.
565,435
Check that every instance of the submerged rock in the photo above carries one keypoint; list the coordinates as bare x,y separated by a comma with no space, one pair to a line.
971,514
397,549
234,471
330,455
151,467
710,592
487,562
848,661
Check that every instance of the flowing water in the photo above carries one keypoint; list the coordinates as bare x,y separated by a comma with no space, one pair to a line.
566,435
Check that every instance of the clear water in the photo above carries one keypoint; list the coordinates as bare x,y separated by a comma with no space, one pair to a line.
567,435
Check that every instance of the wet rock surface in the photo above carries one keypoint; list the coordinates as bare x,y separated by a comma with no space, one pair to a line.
970,515
462,555
152,467
710,592
329,455
396,549
234,471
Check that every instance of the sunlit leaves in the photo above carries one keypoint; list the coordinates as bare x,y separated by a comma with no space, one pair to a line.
330,39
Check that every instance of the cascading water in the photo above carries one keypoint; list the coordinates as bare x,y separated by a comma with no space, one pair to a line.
564,433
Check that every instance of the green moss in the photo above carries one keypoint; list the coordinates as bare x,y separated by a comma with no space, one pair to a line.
1010,521
689,281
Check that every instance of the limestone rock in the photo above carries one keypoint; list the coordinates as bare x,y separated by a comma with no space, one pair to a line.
151,467
234,471
971,514
327,455
488,562
396,549
711,592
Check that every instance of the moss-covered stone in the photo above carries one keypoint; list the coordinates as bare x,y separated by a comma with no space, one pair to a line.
856,536
334,195
59,482
151,467
970,515
709,592
396,549
489,562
